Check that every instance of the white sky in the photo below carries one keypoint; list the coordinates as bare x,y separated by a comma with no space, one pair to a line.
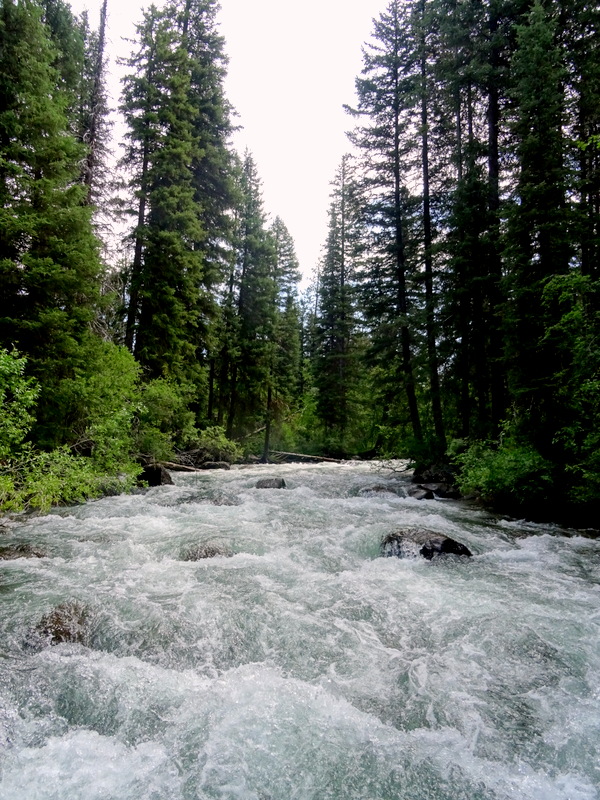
292,66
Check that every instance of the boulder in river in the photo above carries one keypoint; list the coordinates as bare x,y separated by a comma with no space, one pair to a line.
205,550
420,493
65,623
270,483
412,542
156,475
215,465
379,488
11,552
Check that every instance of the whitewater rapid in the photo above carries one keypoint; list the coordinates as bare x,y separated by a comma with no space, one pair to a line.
299,664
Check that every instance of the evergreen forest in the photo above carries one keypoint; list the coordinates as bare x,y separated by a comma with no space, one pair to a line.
151,308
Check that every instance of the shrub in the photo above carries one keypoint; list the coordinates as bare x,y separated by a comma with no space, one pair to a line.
511,474
164,420
212,445
18,396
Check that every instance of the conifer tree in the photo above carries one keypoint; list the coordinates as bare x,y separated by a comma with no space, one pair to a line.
334,360
93,109
385,110
178,127
538,245
253,297
49,263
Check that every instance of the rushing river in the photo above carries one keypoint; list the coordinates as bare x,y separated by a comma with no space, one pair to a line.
297,664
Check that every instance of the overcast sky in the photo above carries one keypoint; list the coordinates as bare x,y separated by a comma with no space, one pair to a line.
291,68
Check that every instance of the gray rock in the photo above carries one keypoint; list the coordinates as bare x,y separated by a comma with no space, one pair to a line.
446,490
14,551
156,475
65,623
413,542
420,493
205,550
215,465
379,488
270,483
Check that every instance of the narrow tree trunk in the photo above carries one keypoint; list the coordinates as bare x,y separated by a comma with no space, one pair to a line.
232,402
434,380
401,300
92,159
267,442
495,267
136,267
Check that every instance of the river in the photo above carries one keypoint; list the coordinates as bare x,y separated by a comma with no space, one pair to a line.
297,664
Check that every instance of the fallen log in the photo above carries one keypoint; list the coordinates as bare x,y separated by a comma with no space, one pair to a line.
304,456
178,467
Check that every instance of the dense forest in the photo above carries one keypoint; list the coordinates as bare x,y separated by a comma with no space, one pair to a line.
151,308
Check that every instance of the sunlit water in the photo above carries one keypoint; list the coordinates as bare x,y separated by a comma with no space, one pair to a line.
303,666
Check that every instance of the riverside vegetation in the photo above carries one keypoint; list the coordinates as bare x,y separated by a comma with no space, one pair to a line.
453,318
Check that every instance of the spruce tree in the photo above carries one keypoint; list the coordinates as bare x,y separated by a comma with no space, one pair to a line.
49,263
334,361
538,244
386,113
253,296
178,127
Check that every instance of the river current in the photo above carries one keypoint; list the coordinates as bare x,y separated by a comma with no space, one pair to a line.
296,663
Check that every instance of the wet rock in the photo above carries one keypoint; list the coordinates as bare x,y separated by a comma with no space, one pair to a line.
434,474
420,493
11,552
413,542
205,550
445,490
156,475
215,465
270,483
379,488
65,623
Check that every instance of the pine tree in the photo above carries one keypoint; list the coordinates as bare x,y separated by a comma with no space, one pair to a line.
334,360
178,127
252,301
385,104
93,110
49,263
283,368
538,245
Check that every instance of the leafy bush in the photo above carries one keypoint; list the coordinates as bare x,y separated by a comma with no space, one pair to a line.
37,480
18,396
212,445
32,479
164,420
105,399
511,474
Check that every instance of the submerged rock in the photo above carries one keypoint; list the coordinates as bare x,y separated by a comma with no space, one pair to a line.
270,483
420,493
379,488
65,623
412,542
14,551
215,465
156,475
205,550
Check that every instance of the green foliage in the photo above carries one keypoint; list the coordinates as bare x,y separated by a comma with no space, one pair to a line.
164,420
103,400
511,475
102,403
36,481
18,396
215,446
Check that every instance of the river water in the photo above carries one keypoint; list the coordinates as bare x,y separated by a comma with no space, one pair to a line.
298,664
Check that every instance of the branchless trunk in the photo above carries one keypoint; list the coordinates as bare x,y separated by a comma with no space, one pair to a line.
434,380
